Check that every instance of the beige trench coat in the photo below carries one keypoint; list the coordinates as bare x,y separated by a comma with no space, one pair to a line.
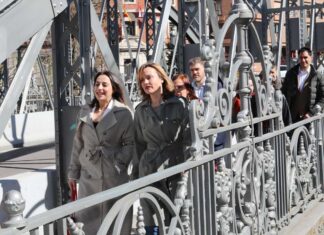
100,158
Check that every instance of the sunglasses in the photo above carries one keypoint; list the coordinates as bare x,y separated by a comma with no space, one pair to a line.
180,88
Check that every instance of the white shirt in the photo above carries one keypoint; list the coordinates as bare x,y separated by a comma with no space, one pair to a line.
106,111
302,76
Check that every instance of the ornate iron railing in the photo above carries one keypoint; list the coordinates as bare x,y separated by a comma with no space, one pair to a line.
265,174
258,186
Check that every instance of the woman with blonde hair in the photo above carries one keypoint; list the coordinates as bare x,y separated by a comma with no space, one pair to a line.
161,126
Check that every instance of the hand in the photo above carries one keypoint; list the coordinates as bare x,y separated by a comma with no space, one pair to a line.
307,115
72,184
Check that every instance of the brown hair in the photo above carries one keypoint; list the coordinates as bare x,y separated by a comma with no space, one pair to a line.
117,91
167,85
188,86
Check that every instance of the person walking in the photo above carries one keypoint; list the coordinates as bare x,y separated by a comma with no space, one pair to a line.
102,150
197,71
161,127
183,88
303,87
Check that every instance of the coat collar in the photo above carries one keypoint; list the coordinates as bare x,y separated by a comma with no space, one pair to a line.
295,69
85,114
170,100
108,121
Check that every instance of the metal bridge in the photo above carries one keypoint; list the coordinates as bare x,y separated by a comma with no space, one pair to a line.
264,180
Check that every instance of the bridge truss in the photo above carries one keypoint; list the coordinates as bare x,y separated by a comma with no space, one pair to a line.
85,36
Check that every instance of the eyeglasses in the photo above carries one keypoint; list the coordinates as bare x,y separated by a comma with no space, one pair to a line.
180,88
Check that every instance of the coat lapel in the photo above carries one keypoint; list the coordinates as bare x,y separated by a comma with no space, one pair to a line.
108,121
85,117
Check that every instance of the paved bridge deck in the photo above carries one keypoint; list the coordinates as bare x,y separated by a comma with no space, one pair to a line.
310,222
26,159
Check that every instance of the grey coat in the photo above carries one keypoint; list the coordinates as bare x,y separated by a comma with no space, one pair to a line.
100,157
160,138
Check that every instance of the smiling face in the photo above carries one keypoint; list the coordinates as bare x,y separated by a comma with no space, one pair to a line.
103,89
150,82
305,60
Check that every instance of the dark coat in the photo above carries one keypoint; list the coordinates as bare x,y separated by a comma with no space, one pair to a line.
313,86
100,157
160,137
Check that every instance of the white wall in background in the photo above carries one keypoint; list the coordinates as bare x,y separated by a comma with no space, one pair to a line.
28,129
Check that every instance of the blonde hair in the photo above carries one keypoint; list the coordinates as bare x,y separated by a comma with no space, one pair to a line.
167,85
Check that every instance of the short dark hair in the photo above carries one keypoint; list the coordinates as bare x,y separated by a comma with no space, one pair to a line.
303,49
196,60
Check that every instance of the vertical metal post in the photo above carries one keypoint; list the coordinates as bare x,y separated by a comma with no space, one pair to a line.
4,75
311,32
85,40
246,58
321,152
181,36
281,23
288,58
202,22
265,23
43,76
3,81
150,28
112,27
302,26
59,61
66,67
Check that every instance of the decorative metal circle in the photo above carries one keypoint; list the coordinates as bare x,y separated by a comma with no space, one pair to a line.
263,100
224,105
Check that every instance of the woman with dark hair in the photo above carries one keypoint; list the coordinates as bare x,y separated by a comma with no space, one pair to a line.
102,149
183,87
161,127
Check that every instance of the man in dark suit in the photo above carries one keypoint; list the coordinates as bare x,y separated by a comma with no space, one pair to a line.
303,87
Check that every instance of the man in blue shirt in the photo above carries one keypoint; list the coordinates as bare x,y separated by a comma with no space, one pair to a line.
197,71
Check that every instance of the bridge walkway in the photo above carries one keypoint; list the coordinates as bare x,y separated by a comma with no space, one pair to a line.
26,159
310,222
30,170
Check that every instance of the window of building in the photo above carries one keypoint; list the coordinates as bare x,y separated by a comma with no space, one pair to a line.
130,27
128,69
218,6
129,1
276,25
